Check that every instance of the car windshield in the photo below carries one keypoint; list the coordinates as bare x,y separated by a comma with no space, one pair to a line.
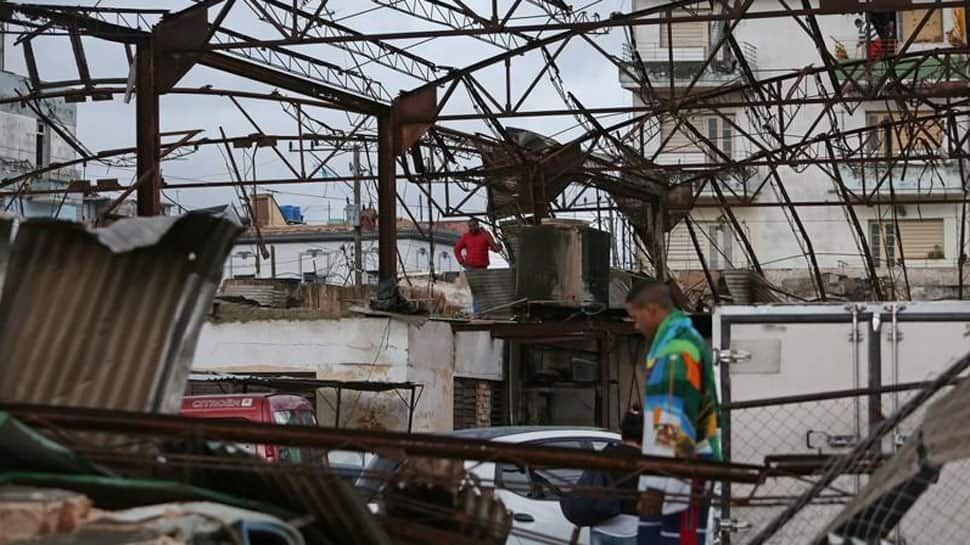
375,475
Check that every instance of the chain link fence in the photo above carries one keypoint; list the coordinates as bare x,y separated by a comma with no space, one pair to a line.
803,437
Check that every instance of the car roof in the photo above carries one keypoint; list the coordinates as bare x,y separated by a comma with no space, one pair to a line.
278,401
504,433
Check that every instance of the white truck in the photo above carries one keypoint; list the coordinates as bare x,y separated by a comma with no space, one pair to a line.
802,382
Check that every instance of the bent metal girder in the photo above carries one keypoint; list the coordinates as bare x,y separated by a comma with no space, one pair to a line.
922,88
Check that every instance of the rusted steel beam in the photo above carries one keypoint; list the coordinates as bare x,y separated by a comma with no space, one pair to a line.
201,91
437,446
279,154
650,16
275,78
711,284
738,229
148,139
854,220
786,199
386,200
71,19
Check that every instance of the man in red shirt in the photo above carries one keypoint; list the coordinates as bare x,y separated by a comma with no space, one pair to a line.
473,247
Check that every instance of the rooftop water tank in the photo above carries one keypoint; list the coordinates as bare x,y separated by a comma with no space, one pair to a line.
291,214
566,263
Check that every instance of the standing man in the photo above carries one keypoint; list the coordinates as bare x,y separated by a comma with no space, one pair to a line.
680,416
475,243
472,251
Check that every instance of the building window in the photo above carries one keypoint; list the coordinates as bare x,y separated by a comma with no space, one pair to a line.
932,31
715,239
921,239
685,34
882,242
720,240
717,129
40,157
888,136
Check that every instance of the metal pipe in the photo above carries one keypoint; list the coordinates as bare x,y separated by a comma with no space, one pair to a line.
823,396
147,133
856,374
157,425
856,383
638,18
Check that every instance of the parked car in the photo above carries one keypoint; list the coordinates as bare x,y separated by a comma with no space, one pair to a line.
531,495
265,408
271,408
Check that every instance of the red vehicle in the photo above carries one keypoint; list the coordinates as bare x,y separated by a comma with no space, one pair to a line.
265,408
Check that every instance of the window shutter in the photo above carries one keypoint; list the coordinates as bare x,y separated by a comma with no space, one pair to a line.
932,31
686,34
921,238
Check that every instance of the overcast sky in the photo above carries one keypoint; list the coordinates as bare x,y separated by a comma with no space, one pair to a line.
105,125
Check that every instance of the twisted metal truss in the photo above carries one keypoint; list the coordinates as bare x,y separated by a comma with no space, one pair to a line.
469,145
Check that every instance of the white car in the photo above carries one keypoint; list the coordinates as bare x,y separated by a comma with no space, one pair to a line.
531,495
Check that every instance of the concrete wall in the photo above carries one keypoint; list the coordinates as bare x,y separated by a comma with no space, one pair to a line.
431,356
18,150
478,355
370,349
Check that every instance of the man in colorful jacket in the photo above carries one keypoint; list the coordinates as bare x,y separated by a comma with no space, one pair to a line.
680,416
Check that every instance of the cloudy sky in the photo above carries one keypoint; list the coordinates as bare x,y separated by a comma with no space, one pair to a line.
105,125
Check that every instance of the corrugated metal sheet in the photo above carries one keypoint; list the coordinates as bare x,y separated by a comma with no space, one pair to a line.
492,288
6,234
262,291
108,317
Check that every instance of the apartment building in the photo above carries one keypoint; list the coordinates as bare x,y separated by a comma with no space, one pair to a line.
901,217
31,138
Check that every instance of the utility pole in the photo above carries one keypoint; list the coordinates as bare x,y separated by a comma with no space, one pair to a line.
358,251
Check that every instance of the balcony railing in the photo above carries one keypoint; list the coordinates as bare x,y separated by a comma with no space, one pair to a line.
848,49
687,61
915,178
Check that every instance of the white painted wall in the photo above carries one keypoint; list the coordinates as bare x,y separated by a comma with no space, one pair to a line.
18,152
364,348
431,362
337,259
478,355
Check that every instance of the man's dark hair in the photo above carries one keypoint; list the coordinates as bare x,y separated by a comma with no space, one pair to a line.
473,220
631,428
650,291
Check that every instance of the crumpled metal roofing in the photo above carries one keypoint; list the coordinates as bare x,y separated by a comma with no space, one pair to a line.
108,317
7,225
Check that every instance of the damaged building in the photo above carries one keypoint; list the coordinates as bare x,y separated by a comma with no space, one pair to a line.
194,352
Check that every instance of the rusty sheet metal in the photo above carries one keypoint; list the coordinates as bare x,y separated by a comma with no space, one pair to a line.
509,192
492,289
108,317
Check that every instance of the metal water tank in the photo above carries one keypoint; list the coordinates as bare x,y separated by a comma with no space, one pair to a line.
563,263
